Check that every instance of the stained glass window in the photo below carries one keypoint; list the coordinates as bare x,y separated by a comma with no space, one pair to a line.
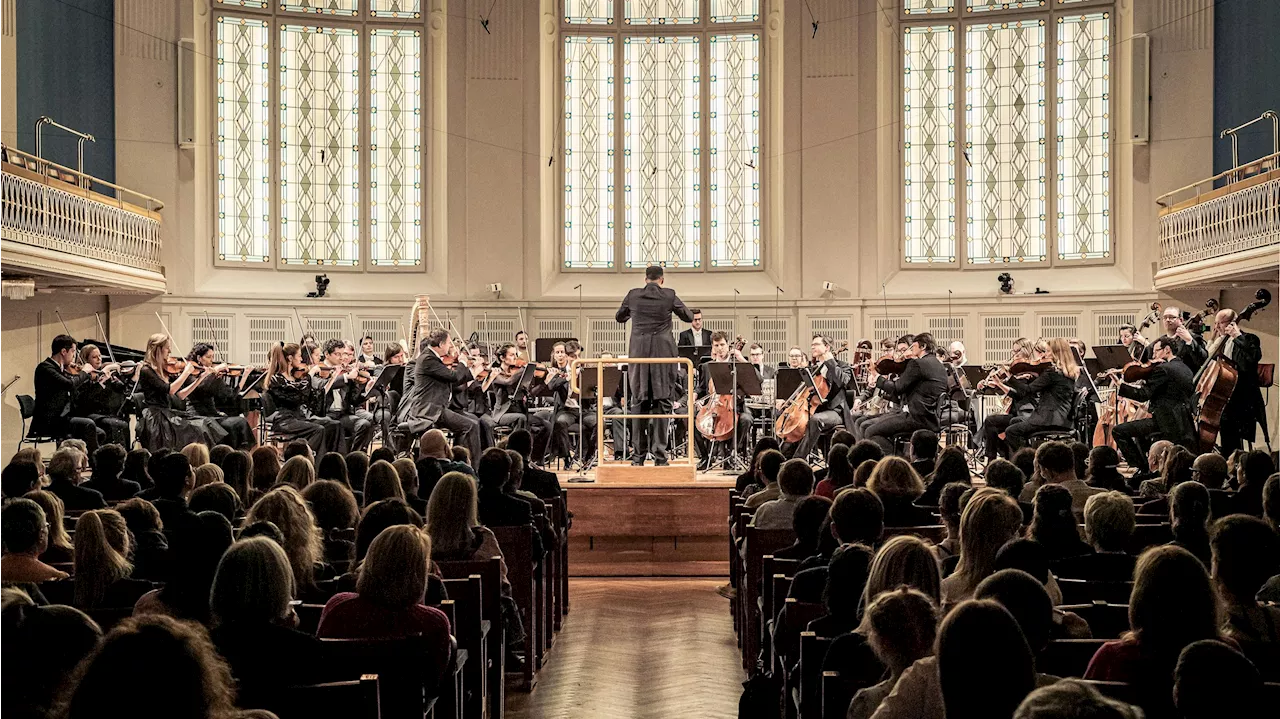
588,12
1084,136
395,8
244,3
395,147
319,145
989,5
928,7
929,142
735,10
243,163
661,151
660,12
1005,141
589,152
735,150
336,8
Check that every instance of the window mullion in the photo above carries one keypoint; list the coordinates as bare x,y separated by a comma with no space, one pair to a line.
704,148
961,157
619,145
1051,54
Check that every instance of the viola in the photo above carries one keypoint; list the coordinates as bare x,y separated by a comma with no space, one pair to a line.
1135,371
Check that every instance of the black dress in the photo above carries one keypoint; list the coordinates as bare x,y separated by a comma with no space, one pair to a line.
164,426
292,399
203,402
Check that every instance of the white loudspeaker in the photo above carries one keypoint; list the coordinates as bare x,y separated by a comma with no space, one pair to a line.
1140,89
186,93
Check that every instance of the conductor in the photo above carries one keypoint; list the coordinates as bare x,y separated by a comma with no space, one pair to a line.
653,386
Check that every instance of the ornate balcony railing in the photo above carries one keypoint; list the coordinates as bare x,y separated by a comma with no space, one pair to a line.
52,207
1214,223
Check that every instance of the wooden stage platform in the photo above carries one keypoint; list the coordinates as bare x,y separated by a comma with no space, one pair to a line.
649,522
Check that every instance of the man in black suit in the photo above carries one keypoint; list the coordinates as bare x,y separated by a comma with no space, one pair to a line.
54,386
1187,346
695,336
67,469
832,411
652,385
922,384
766,370
426,404
1245,408
1170,391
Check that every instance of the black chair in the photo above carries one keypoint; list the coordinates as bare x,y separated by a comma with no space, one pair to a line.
405,691
27,407
1060,434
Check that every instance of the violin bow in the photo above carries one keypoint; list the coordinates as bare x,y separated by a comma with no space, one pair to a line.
66,329
110,353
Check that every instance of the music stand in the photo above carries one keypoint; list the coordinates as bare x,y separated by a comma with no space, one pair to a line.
1112,357
543,345
388,376
741,378
787,382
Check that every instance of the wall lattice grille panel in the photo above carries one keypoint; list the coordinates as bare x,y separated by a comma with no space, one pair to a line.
559,329
946,330
265,332
835,328
607,336
327,328
727,325
889,328
1059,326
998,334
771,334
496,330
213,329
383,330
1109,326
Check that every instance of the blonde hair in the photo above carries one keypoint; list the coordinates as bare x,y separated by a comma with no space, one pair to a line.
990,519
99,561
279,359
901,626
196,453
408,472
208,473
382,482
156,343
394,571
53,512
451,513
298,473
903,560
303,540
895,477
253,582
1064,358
32,454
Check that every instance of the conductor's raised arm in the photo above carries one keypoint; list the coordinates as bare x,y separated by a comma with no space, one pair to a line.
684,313
624,312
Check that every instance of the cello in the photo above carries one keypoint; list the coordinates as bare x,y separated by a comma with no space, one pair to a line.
1217,380
793,420
717,416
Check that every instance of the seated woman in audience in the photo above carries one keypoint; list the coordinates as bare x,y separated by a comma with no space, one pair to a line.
197,453
24,531
1054,524
266,468
1189,519
108,464
208,474
60,550
382,482
1213,680
382,454
1028,557
357,467
19,477
150,546
303,541
1102,470
989,520
950,466
1246,552
335,510
254,623
749,479
1178,463
770,464
194,556
135,467
153,666
333,466
900,626
1255,467
436,460
807,524
218,451
408,473
1172,605
297,472
388,599
67,470
1025,460
949,508
217,497
102,569
839,472
1072,699
977,641
44,645
377,517
237,471
795,482
846,580
1108,526
897,485
862,473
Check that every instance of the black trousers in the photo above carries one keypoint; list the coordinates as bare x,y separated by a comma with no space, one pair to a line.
650,435
618,428
116,429
320,433
820,423
357,430
885,427
1015,435
81,428
566,421
465,429
1134,439
992,427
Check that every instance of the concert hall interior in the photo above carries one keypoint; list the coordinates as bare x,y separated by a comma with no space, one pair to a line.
951,231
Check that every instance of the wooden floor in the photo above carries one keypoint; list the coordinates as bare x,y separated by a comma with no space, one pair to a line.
639,649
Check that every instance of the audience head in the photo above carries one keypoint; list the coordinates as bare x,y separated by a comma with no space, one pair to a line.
1055,461
1102,471
904,560
862,473
1072,699
433,444
18,478
924,444
846,579
297,472
24,528
1026,555
395,569
237,469
989,520
382,454
382,482
1189,510
839,471
379,516
194,553
461,455
407,471
264,529
50,641
857,515
101,555
174,478
76,444
521,441
1003,474
332,504
333,465
218,451
140,516
1109,521
303,544
451,513
493,470
1246,553
1053,520
951,466
840,436
154,463
1025,460
135,467
862,450
196,453
54,515
1210,469
218,497
253,583
795,479
207,474
153,666
1026,599
357,467
1213,680
69,465
516,477
298,448
32,455
895,480
266,467
108,461
1271,501
1080,453
1257,466
978,641
949,505
770,464
808,518
1173,602
901,627
1177,467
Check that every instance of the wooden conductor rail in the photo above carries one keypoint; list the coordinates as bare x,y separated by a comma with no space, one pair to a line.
599,364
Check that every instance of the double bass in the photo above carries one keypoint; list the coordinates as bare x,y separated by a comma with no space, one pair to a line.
793,420
717,415
1217,380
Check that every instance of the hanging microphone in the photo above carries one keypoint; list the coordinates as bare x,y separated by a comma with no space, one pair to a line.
780,290
577,287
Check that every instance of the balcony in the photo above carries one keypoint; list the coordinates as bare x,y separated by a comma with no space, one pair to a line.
59,226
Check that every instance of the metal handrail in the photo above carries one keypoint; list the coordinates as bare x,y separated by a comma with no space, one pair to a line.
81,137
599,364
1273,159
152,204
1235,146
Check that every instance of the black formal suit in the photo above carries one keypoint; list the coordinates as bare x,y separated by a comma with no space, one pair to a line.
1192,353
113,489
426,403
101,402
52,414
704,338
922,384
1170,391
652,385
1055,393
76,498
499,509
833,411
1245,408
541,482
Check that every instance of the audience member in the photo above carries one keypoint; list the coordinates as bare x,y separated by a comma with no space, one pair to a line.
216,497
540,482
43,645
298,448
357,467
1212,680
434,461
382,454
1102,470
237,470
1255,468
770,465
102,569
1178,462
1003,474
1108,527
497,508
900,626
897,485
1271,501
60,549
846,579
806,522
862,473
1080,453
795,482
266,468
407,472
1210,469
150,546
194,555
1025,597
857,517
949,508
24,530
174,482
989,520
219,451
67,470
303,542
335,510
297,472
1189,519
108,464
19,477
1055,462
461,455
207,474
839,472
196,453
153,464
333,465
1025,460
382,482
978,640
1054,523
950,466
1029,556
380,515
924,451
1072,699
1246,552
1155,464
135,467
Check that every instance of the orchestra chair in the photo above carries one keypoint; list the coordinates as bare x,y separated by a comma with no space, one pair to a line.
272,437
1035,439
27,408
953,430
354,699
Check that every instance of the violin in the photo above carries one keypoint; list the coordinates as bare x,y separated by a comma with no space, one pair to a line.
891,364
174,367
1135,371
1024,368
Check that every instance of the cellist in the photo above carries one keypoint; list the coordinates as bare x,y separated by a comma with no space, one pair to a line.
1170,390
1240,416
832,411
704,388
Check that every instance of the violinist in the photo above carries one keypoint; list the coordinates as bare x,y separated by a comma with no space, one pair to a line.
953,359
1054,389
1132,340
101,395
920,386
394,354
210,391
310,349
368,357
1187,346
1170,391
55,384
573,414
705,388
340,396
1018,405
832,411
1245,408
425,404
290,387
872,402
159,379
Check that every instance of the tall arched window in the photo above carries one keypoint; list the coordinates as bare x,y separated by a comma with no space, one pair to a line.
661,134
